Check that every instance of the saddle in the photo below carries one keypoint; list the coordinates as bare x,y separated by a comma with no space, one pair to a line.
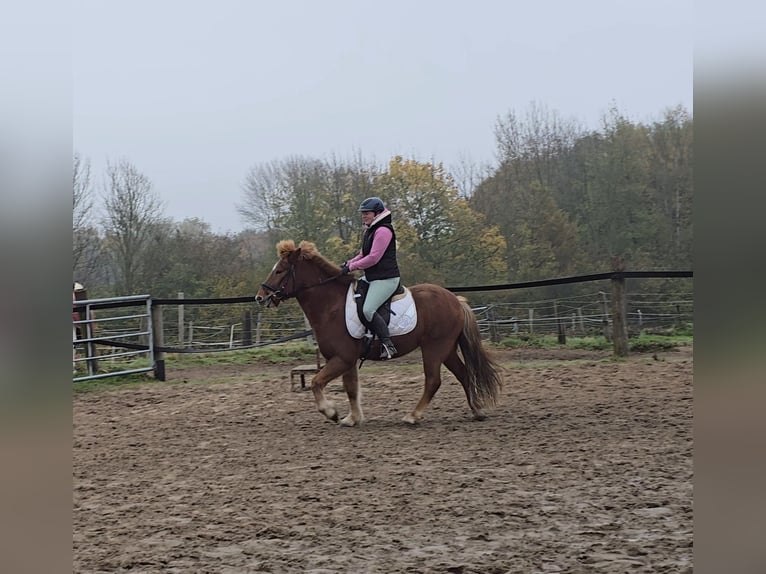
399,312
360,294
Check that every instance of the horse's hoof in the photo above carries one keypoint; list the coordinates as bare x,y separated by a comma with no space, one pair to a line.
479,416
410,420
331,414
349,421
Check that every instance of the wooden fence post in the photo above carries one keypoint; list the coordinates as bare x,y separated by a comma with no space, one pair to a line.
157,342
531,321
619,311
180,321
559,325
605,317
492,319
247,328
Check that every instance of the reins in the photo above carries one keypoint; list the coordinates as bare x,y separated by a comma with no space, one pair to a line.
281,296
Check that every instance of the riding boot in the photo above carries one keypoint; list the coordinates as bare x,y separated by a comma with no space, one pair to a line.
379,327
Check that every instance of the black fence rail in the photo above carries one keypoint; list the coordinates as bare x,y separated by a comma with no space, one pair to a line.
199,325
584,315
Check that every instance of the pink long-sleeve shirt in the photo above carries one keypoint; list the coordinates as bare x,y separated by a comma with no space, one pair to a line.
379,245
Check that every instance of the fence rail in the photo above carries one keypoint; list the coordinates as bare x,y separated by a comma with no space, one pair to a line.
229,324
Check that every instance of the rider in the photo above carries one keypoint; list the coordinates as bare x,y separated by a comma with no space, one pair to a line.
377,258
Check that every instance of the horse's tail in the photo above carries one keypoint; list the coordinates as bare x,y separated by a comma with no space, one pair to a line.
484,381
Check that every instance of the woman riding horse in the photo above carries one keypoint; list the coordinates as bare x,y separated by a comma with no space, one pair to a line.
445,324
377,258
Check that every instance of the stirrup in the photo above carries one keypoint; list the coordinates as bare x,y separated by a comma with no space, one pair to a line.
387,350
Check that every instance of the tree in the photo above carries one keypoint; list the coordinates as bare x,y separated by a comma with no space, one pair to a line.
476,252
132,223
85,236
619,201
349,183
522,196
307,198
532,147
264,192
467,175
289,196
568,201
440,236
671,173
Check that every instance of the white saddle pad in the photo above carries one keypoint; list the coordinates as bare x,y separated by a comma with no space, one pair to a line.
404,315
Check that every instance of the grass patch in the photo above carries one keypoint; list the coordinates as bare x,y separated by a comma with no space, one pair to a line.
646,343
642,343
280,353
270,354
598,343
116,381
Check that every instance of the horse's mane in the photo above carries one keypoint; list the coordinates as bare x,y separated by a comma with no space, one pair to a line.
308,251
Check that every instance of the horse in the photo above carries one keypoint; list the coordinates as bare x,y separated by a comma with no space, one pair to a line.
444,323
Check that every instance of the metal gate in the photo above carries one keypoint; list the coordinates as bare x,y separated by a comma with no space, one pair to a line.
102,321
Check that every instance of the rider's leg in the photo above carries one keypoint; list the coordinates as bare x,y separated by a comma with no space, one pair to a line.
387,349
377,294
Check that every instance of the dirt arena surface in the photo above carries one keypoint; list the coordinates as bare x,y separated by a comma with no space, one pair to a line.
586,466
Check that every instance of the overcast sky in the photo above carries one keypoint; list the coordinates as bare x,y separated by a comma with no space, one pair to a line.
196,93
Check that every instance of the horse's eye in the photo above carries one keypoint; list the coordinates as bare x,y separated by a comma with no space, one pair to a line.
278,271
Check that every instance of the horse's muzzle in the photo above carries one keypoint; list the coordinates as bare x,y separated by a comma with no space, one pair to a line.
268,300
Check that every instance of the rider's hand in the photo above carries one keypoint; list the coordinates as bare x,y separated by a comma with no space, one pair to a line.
344,270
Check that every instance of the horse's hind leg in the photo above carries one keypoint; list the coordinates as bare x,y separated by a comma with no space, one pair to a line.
351,385
433,380
457,368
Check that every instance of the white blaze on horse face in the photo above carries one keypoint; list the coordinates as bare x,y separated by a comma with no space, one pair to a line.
275,265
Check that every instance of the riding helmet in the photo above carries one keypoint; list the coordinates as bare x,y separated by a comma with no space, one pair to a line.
374,204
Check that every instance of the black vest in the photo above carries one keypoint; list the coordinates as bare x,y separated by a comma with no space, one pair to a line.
387,267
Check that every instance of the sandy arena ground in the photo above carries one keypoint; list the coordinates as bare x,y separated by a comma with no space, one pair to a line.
586,466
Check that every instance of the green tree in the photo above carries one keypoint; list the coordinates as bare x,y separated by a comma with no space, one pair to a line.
307,198
521,197
576,198
620,202
440,236
671,170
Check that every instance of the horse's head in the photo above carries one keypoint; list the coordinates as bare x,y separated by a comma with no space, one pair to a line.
290,273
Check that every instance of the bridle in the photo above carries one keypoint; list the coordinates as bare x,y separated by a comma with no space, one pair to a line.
280,293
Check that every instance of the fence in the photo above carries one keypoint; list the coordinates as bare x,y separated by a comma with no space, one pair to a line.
119,330
225,324
583,315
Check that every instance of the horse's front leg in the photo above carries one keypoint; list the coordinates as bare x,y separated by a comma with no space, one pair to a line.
332,370
351,384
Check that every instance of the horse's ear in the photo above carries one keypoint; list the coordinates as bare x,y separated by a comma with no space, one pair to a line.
307,249
285,248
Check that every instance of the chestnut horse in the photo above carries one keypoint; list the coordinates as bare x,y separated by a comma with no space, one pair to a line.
444,323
